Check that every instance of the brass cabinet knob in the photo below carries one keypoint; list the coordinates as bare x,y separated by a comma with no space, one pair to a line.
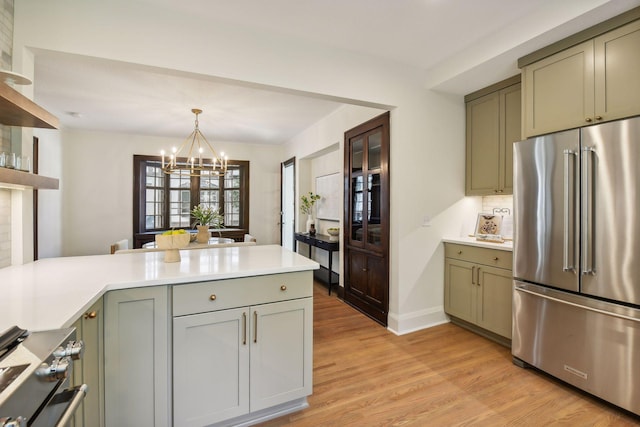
495,258
213,297
588,120
459,252
598,117
90,315
283,288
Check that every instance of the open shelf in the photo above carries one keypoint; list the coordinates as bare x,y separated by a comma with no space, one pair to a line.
18,110
15,179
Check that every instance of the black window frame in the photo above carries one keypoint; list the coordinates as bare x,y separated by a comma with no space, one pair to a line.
139,195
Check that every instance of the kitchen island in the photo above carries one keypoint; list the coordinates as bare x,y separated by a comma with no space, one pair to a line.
249,309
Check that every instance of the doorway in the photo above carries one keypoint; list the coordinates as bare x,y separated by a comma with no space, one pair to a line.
288,203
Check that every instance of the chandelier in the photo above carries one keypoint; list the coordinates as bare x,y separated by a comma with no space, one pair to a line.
195,155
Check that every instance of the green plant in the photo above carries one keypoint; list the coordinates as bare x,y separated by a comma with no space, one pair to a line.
307,202
206,215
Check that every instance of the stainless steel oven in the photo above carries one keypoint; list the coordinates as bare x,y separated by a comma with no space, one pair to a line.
35,368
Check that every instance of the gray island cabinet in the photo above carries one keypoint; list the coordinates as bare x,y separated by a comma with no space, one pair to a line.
137,362
207,353
241,346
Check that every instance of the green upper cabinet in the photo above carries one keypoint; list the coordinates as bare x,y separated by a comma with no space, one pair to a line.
617,75
492,126
591,82
558,91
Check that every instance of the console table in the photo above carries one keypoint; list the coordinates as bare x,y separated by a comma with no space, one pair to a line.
322,242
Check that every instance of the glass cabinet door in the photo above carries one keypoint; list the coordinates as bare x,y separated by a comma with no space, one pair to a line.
357,206
365,189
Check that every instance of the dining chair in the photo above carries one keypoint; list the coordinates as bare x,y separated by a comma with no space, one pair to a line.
120,245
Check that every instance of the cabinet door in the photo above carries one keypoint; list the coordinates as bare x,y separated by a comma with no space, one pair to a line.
77,379
281,363
460,289
510,132
89,368
367,288
93,364
494,300
210,367
617,65
136,357
559,91
483,145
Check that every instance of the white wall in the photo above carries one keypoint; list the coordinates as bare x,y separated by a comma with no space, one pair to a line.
50,216
427,128
98,184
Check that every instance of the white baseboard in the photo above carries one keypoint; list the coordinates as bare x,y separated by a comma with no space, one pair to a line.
416,320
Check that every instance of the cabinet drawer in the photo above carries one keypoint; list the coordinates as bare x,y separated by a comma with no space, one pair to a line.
492,257
223,294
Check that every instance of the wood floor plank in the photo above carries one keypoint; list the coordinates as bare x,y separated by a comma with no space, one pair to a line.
365,375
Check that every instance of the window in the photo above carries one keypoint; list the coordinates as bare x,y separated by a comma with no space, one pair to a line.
164,201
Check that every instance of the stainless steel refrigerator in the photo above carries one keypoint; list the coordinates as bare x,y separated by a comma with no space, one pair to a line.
576,303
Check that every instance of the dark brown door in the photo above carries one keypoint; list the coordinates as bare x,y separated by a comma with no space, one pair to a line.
366,233
36,152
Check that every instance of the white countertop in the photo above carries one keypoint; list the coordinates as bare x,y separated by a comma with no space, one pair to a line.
52,293
471,241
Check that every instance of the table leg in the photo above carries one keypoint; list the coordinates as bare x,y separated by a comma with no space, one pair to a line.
330,269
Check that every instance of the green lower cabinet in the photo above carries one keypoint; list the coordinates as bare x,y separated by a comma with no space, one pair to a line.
494,300
478,294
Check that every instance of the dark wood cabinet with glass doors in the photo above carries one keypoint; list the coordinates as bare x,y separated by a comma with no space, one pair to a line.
366,233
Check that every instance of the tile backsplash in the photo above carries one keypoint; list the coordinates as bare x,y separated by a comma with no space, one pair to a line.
492,202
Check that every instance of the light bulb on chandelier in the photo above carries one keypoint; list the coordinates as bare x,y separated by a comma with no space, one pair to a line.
194,159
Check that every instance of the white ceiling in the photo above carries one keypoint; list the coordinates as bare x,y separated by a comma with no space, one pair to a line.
427,35
96,94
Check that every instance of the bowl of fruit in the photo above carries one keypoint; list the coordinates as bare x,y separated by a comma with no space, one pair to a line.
171,241
334,232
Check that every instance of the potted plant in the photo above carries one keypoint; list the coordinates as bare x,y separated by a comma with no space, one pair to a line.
308,200
206,217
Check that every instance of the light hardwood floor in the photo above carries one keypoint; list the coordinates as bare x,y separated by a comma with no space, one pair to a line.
442,376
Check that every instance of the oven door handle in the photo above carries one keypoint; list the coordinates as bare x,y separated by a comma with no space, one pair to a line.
79,394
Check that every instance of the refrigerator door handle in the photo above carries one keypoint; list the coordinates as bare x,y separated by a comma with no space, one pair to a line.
588,237
573,304
568,249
